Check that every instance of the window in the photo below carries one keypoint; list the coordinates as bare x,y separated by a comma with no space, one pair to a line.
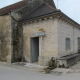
67,41
78,42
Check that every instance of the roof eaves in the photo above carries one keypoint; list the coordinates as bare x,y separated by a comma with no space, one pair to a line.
49,14
70,18
4,13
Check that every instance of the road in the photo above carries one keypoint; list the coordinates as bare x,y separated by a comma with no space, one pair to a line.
10,73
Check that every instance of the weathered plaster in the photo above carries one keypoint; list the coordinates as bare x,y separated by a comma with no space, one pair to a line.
5,38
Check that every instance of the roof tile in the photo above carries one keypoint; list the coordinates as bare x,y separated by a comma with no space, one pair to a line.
9,8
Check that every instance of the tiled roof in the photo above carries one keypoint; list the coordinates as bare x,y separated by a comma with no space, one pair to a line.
9,8
42,10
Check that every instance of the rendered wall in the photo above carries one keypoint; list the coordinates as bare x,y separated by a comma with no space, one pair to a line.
66,30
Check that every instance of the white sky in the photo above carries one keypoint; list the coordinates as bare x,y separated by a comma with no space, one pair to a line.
70,7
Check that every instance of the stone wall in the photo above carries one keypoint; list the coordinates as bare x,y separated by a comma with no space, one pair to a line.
5,38
49,41
16,38
66,30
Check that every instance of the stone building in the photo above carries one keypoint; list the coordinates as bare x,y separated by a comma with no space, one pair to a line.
37,31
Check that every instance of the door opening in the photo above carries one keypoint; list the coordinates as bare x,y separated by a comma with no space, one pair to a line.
35,49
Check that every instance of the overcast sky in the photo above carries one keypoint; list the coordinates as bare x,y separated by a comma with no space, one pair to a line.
70,7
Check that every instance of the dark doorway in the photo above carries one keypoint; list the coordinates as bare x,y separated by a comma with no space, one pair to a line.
35,49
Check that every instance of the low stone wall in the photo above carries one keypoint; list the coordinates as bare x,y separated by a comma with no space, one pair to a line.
69,60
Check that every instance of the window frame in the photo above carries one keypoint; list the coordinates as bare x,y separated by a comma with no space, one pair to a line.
78,39
67,44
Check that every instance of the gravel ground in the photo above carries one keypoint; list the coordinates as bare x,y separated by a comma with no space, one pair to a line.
76,66
10,73
57,72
